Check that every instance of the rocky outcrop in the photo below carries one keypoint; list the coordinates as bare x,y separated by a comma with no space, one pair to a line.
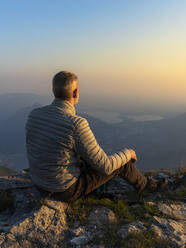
170,229
134,227
35,220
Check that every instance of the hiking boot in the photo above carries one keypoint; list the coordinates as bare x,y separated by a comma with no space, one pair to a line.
155,185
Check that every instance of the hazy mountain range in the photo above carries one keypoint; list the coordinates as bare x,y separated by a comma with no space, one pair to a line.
158,143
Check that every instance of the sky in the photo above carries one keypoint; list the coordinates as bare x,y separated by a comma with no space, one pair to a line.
123,51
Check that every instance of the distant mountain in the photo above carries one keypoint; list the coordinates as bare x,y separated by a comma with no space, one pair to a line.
12,131
10,103
4,171
14,109
158,143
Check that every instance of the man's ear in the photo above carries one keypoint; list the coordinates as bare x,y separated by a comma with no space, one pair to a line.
75,93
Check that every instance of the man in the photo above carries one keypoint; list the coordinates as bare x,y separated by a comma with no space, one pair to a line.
64,156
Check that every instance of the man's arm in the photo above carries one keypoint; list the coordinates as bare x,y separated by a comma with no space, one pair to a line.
88,148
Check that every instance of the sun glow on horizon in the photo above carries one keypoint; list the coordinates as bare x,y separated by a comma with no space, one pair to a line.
120,49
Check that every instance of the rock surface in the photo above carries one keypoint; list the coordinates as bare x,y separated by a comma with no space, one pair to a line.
102,216
170,229
134,227
38,221
175,211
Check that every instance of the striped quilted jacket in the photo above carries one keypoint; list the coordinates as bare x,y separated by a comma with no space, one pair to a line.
56,138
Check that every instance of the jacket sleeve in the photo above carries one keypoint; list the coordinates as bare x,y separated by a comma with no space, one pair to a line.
88,148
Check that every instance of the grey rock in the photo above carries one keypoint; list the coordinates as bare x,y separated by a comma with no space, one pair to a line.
158,231
9,241
35,221
101,216
171,180
81,240
25,244
174,231
133,227
118,186
39,221
182,176
176,211
78,231
2,238
160,176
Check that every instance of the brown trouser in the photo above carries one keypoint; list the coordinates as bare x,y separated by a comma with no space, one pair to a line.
90,179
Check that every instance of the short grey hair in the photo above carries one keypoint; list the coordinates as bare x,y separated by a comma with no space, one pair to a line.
62,84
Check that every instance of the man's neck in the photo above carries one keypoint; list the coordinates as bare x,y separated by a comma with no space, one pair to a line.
71,101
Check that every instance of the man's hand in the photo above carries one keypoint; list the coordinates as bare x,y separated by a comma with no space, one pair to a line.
133,155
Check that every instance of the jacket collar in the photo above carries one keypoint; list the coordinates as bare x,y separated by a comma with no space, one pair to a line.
64,105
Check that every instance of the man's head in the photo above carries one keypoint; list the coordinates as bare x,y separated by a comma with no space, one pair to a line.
65,86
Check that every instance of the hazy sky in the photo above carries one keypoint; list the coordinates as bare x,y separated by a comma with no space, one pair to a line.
126,50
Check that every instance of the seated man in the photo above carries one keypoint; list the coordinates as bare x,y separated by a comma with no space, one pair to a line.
64,156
